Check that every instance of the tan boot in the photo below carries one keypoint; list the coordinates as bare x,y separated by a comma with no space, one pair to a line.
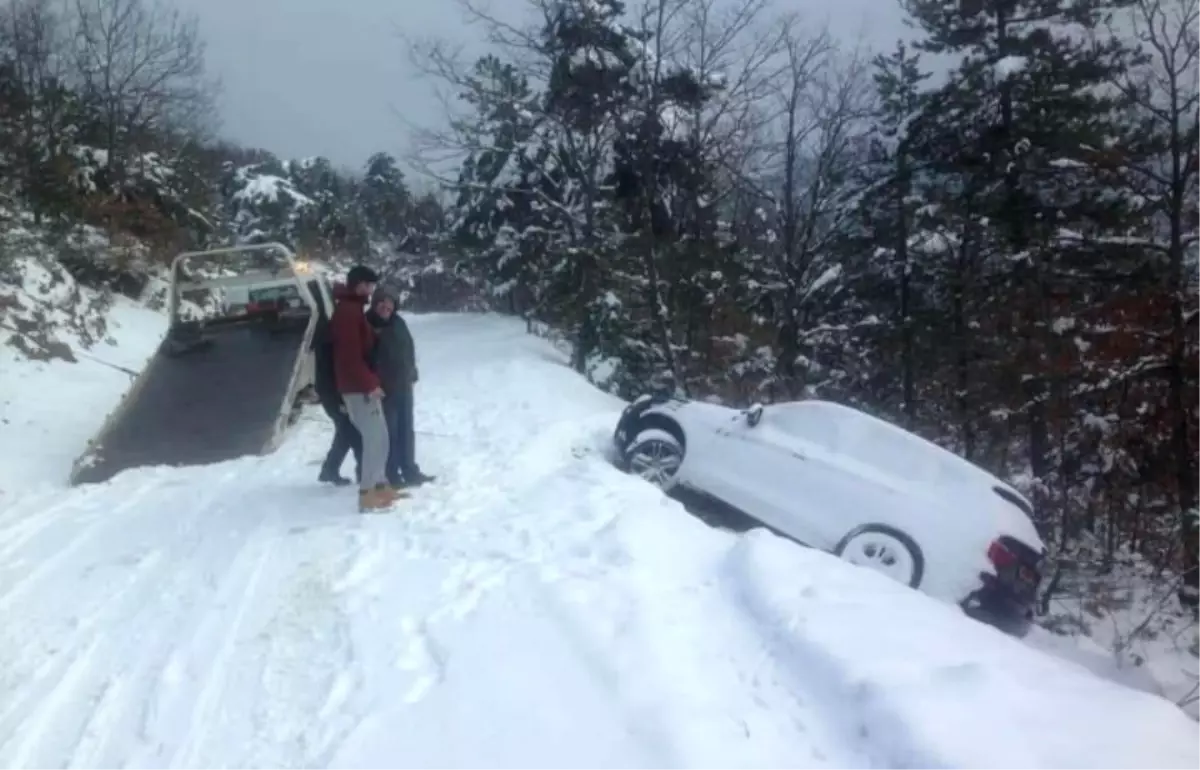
377,499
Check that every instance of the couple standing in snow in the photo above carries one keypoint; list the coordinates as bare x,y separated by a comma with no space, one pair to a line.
365,372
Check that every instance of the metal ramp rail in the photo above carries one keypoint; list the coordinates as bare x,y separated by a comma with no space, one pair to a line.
219,389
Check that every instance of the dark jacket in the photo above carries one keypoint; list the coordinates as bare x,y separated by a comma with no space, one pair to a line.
395,357
353,341
324,378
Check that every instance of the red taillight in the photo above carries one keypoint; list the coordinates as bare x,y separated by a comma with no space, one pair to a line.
1000,555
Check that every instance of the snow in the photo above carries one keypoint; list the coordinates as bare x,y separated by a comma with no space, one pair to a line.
259,188
831,274
1010,65
50,409
676,121
533,608
1125,624
40,406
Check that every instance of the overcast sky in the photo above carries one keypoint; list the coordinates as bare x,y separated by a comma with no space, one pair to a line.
324,77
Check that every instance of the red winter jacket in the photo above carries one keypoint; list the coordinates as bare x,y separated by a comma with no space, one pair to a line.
353,339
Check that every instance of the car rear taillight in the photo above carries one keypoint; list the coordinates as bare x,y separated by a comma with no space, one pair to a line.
1017,565
1000,555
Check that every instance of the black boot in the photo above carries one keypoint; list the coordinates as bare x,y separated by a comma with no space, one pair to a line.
332,477
417,478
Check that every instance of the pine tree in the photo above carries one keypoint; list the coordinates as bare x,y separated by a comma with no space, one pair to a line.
1025,112
891,273
384,200
504,211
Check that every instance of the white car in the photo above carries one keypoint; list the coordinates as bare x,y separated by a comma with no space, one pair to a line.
838,479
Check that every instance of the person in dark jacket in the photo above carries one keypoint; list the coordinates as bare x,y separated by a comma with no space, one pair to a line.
396,364
345,435
353,345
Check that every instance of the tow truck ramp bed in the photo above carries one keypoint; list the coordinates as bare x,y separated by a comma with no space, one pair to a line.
221,396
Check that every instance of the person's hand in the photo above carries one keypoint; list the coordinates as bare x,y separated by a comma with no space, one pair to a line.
376,394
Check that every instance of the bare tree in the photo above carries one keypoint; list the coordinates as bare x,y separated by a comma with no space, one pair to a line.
734,53
739,49
438,147
1164,91
141,67
824,96
33,38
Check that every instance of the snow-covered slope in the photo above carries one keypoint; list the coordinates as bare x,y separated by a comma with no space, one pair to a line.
534,608
49,405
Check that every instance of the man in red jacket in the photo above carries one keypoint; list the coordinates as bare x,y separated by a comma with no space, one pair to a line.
353,340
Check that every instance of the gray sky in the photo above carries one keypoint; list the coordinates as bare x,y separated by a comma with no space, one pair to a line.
324,77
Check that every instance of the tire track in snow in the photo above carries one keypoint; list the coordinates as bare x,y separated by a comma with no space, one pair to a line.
158,704
27,699
242,578
40,724
16,512
57,686
31,516
309,656
101,520
272,660
221,681
86,686
103,724
30,512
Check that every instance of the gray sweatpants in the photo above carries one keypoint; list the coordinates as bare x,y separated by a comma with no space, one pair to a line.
367,415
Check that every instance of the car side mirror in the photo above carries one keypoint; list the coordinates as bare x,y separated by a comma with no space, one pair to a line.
754,415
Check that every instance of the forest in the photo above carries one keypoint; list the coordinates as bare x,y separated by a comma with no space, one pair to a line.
986,233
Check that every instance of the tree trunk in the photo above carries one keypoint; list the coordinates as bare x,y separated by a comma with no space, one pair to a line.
902,258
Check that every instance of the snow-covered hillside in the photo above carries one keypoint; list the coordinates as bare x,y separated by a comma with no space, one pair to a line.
534,608
67,355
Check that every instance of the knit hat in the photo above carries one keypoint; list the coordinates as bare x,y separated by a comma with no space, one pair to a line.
361,274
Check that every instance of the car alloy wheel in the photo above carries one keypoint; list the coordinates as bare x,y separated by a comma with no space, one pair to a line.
656,460
884,550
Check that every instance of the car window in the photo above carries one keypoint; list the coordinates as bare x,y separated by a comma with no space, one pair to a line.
894,453
858,437
812,424
906,456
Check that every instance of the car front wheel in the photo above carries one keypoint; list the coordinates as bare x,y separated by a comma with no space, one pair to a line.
885,550
655,455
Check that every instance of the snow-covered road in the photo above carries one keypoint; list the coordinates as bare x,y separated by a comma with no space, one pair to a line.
534,608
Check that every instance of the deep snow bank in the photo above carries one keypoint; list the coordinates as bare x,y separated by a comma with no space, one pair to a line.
534,608
67,356
941,692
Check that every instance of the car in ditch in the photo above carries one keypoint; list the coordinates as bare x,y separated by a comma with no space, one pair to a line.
835,478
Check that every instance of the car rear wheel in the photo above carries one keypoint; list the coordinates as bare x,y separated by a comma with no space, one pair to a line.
654,455
885,550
